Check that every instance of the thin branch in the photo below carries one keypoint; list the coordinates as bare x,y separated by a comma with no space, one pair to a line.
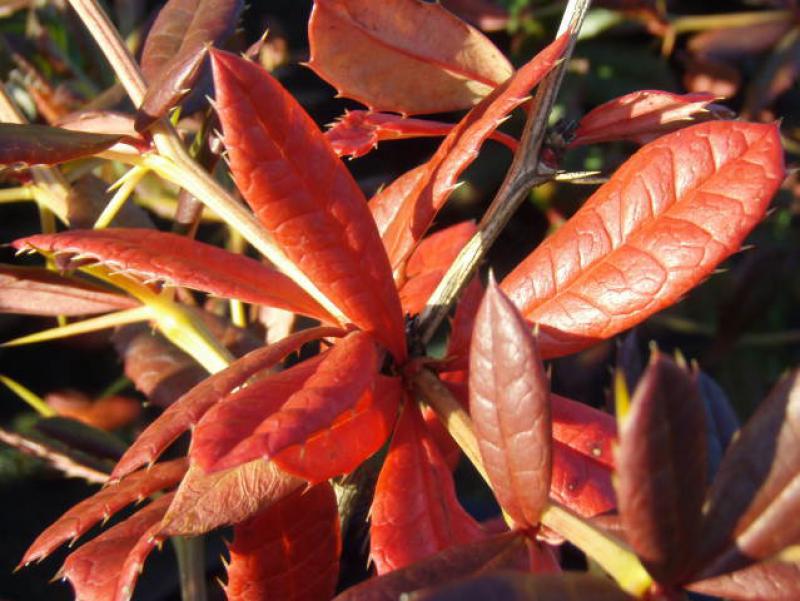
525,173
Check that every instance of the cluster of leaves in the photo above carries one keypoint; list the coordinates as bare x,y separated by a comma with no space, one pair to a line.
664,498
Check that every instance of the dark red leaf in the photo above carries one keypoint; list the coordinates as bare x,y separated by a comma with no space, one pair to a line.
106,568
358,132
429,262
345,373
188,410
458,150
415,512
662,464
306,198
38,291
204,502
580,483
643,116
664,221
44,145
769,580
151,255
454,562
290,551
103,505
355,43
752,506
509,401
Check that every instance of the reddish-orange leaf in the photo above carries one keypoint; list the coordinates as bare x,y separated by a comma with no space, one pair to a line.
106,413
429,262
356,43
344,374
39,291
643,116
188,409
664,221
458,150
106,568
589,431
358,132
290,551
580,483
415,512
352,438
770,580
151,255
103,505
457,356
386,204
306,198
509,401
204,502
448,447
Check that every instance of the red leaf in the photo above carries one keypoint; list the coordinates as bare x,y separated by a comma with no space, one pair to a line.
664,221
42,144
358,132
106,413
352,438
355,43
106,568
387,203
38,291
589,431
509,401
290,551
344,374
415,512
458,150
769,580
188,410
305,197
103,505
457,356
642,116
204,502
580,483
429,262
180,261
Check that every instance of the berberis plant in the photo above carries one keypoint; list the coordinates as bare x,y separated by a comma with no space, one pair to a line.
661,498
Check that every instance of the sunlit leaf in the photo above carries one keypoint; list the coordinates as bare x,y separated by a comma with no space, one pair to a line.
773,580
509,401
580,483
355,43
664,221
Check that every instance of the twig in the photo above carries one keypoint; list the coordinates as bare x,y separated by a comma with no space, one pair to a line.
525,173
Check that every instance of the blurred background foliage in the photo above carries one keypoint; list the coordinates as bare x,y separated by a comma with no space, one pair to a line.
742,325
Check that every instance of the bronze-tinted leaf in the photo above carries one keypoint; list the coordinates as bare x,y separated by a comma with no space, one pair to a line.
661,469
44,145
769,580
509,401
355,43
38,291
658,227
518,586
463,560
754,501
204,502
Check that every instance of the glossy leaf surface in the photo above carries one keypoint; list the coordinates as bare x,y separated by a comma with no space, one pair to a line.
415,512
662,468
107,567
103,505
305,197
755,496
346,373
642,116
580,483
290,551
509,401
462,560
190,408
358,132
518,586
37,291
44,145
354,43
662,223
460,147
204,502
180,261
